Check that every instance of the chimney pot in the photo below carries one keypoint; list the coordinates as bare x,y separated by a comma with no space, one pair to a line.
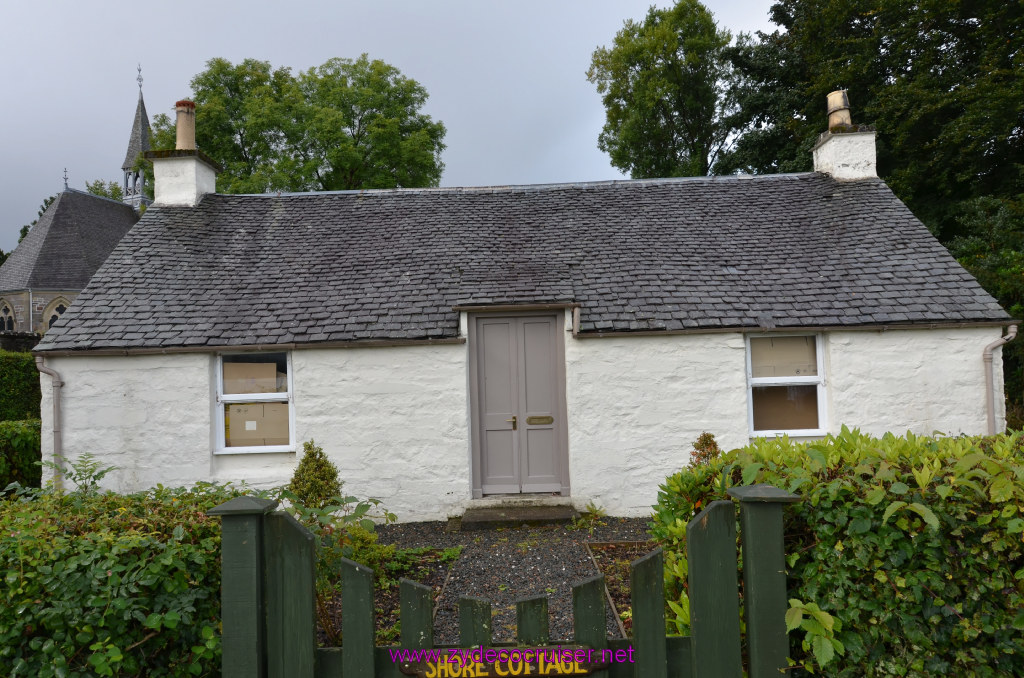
844,151
185,125
183,176
839,109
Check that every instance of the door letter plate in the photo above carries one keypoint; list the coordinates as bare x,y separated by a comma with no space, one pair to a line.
539,421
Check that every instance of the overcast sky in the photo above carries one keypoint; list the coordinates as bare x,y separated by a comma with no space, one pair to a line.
506,78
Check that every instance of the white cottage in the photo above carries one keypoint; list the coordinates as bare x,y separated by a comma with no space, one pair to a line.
451,346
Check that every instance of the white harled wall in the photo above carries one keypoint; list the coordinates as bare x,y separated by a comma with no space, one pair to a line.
637,403
919,380
396,421
147,415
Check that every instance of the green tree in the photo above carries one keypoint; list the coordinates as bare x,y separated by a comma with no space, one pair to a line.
42,208
105,189
941,81
346,124
666,87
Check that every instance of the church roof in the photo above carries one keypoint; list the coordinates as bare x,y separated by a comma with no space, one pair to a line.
139,140
75,235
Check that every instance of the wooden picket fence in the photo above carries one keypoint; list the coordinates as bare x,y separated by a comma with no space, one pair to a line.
268,605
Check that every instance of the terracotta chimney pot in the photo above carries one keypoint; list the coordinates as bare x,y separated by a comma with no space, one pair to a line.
186,125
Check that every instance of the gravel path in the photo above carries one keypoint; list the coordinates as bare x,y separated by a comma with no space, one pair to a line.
503,565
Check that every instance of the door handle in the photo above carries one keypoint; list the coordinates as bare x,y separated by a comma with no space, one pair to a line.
514,421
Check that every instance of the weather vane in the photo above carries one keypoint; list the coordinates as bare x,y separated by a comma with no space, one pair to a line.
65,177
138,79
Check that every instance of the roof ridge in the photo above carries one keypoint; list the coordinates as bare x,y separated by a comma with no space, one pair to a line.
502,188
98,197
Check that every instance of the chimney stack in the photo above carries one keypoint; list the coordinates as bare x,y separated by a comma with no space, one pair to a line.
185,125
845,151
183,176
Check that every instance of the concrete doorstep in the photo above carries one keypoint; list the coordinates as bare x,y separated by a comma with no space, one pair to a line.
516,516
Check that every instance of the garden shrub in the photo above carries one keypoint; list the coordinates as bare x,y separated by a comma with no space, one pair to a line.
19,387
912,547
111,585
129,585
20,453
315,480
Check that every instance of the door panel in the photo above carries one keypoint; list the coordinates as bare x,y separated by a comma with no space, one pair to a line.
499,403
519,394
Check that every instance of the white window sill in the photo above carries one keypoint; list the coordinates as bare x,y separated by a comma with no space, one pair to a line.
261,449
799,433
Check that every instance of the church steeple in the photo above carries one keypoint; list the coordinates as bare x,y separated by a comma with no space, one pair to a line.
134,180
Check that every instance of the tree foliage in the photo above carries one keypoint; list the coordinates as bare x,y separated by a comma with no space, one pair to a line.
105,189
665,88
346,124
941,81
42,208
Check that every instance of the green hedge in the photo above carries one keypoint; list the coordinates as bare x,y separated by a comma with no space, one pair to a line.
912,546
111,585
20,453
19,387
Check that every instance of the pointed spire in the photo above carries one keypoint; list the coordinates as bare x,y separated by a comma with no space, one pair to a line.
138,142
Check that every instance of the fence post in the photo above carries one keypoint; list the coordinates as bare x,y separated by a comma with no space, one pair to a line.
357,625
647,594
764,576
289,559
588,615
241,593
713,589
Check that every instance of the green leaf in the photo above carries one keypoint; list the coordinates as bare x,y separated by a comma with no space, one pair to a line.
1001,489
179,533
891,509
823,650
875,496
794,615
750,472
153,621
171,619
926,513
899,488
944,491
818,458
859,526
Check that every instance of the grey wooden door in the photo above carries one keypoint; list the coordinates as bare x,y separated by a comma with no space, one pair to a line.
519,414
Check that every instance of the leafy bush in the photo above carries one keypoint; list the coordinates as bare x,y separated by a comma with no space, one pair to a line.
129,585
705,449
111,585
907,550
20,453
315,480
19,386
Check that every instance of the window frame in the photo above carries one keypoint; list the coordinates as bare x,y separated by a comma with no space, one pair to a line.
221,399
818,380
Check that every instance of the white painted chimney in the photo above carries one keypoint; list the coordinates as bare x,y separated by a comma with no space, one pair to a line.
183,176
845,151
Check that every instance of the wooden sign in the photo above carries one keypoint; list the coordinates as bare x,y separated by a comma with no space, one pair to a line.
491,662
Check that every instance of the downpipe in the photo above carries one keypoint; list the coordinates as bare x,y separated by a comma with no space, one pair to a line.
990,396
58,442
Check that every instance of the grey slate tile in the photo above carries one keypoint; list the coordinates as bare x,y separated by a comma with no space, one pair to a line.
636,255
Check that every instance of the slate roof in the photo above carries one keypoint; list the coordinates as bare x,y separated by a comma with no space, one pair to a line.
138,142
777,251
68,243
